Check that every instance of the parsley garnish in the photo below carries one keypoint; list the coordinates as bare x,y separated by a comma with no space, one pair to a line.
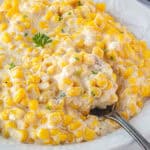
79,3
48,107
92,93
60,18
61,95
112,58
76,58
69,13
25,34
12,65
41,39
62,30
95,72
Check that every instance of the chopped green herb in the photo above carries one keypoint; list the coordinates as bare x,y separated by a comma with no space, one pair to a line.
76,58
12,65
95,72
62,30
61,95
105,50
78,72
25,16
69,13
79,3
60,18
41,39
25,34
112,58
48,107
92,93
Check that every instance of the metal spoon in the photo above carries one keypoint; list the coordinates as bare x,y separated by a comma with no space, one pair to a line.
110,113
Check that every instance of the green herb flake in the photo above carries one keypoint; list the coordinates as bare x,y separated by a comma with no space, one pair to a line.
94,72
62,30
41,39
25,16
69,13
61,95
48,107
79,3
76,58
25,34
11,66
112,58
92,93
60,18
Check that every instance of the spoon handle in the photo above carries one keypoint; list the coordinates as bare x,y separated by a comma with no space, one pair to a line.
130,129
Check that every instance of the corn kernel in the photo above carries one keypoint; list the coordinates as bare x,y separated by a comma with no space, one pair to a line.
48,15
89,134
101,7
3,26
98,52
75,125
43,25
20,95
33,104
44,134
6,37
74,91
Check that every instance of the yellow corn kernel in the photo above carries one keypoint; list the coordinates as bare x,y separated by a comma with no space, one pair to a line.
98,52
19,95
133,108
9,102
75,125
67,120
132,80
21,135
3,26
19,37
51,70
6,37
92,82
33,31
87,59
56,118
33,104
30,118
89,134
79,133
94,123
125,115
54,131
101,7
128,72
43,24
109,85
145,91
63,63
140,104
96,92
44,134
146,54
17,72
102,81
48,15
67,81
134,89
10,124
4,115
74,91
16,113
62,137
80,43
